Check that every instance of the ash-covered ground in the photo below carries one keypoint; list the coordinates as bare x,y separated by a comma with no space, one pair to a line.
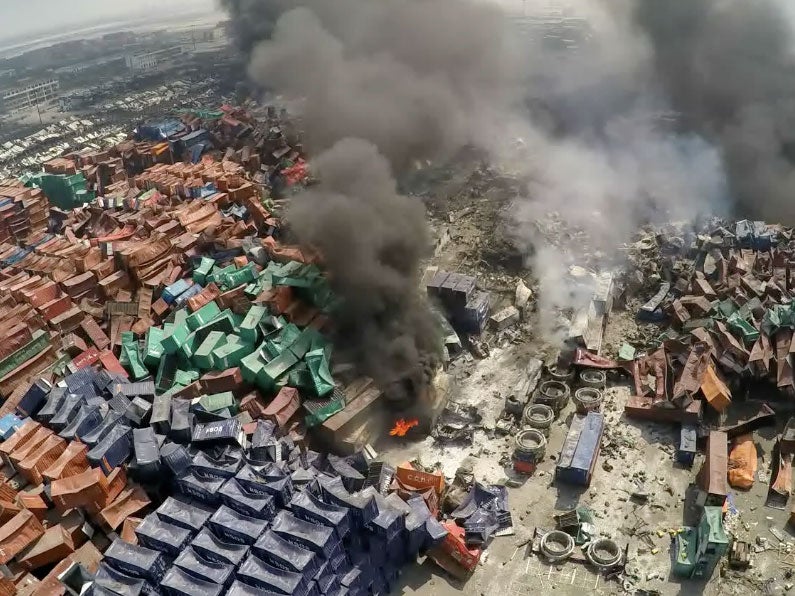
466,206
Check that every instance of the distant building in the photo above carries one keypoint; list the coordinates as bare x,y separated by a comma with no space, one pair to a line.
103,62
28,95
222,31
142,61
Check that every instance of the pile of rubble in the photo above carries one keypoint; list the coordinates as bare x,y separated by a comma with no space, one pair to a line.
49,493
724,300
716,307
169,404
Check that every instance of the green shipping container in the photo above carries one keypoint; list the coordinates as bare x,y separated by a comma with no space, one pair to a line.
231,354
203,316
203,357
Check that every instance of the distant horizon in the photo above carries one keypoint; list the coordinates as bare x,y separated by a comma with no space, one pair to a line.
14,46
35,21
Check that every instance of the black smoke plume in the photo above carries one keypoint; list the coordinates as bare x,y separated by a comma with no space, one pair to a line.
380,86
372,239
414,78
727,67
253,20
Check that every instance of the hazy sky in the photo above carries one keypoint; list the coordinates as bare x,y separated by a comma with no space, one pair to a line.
19,17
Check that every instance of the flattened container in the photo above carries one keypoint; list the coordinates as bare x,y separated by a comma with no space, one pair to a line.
204,489
156,534
117,582
244,501
282,554
177,582
135,560
209,546
212,571
113,450
317,538
235,527
190,516
19,532
309,508
280,488
258,573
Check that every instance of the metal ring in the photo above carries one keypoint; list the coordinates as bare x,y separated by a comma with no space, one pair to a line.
538,416
588,399
603,552
531,441
557,545
562,375
554,389
593,378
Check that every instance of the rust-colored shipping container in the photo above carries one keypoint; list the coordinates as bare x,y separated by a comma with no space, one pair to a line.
22,435
283,406
713,476
43,457
70,462
131,500
19,532
254,404
128,529
29,447
81,490
53,546
221,381
32,500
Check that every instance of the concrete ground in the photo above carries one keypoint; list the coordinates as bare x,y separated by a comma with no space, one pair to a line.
631,450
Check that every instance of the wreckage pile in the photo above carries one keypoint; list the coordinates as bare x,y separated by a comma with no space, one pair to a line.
166,374
719,317
727,301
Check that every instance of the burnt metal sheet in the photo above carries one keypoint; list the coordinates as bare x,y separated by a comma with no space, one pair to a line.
121,308
588,359
692,376
780,481
712,477
642,408
764,417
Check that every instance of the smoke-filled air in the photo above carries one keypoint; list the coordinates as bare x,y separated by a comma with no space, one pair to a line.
663,110
379,86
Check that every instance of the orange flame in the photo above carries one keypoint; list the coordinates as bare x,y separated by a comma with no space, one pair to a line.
403,426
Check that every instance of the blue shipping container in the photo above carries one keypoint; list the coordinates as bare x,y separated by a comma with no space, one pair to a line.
686,454
581,449
171,292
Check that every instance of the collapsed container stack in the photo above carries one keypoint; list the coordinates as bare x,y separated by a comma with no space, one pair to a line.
23,212
723,297
165,366
62,191
57,509
247,514
261,518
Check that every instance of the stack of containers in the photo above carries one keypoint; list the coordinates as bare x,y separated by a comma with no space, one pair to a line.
264,520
